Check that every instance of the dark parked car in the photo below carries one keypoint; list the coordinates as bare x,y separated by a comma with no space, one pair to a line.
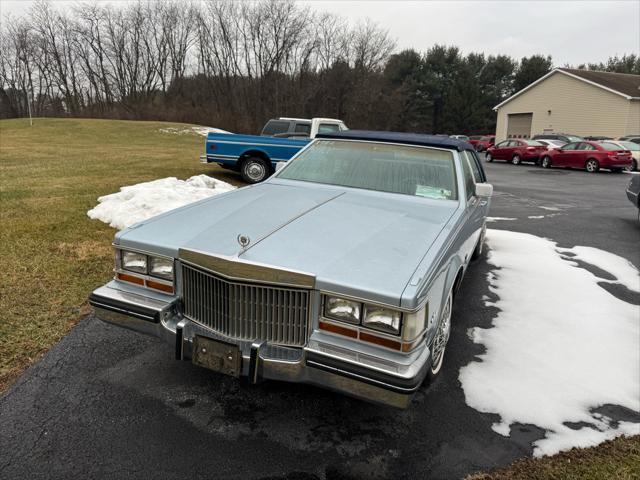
597,138
516,151
633,191
590,156
564,137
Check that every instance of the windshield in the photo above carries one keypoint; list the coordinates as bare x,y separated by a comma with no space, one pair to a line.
418,171
573,138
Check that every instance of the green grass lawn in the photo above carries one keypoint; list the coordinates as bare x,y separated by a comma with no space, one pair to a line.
53,255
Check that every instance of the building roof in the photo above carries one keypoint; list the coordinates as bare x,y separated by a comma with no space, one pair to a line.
624,84
400,137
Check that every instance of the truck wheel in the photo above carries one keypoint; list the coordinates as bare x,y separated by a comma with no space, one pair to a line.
254,170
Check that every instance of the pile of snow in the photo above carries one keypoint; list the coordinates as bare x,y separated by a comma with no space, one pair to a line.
191,130
560,346
135,203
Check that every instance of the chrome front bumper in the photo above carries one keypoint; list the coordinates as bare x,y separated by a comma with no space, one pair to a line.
326,361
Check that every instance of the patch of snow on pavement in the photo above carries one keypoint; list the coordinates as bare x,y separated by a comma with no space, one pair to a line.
191,130
535,216
621,268
553,209
497,219
560,346
135,203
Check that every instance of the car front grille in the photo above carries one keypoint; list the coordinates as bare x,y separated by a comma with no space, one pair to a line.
246,311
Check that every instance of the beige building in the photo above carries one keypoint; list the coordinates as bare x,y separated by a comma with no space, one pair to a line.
578,102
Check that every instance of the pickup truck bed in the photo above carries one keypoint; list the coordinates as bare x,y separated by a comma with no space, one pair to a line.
249,154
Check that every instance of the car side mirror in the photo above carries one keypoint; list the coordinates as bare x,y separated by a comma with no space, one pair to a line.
280,165
484,189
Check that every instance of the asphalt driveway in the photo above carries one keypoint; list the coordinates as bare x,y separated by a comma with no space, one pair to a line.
108,403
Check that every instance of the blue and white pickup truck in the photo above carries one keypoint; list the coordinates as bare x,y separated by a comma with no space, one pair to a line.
256,156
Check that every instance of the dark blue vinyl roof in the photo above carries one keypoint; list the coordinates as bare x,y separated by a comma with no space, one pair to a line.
400,137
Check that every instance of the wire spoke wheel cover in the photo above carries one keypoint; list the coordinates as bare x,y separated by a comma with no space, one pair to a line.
441,338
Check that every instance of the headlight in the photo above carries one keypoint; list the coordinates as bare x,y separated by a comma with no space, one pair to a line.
342,309
161,267
134,262
382,319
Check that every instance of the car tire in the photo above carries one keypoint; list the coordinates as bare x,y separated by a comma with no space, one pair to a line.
545,162
516,160
254,170
592,165
477,252
488,157
440,339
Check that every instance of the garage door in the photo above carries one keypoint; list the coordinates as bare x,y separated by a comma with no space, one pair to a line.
519,125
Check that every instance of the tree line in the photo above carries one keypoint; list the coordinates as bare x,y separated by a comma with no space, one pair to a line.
233,65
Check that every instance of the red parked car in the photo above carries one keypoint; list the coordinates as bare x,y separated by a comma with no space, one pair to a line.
482,142
516,151
590,156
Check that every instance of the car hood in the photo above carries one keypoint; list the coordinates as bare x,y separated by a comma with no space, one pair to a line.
355,242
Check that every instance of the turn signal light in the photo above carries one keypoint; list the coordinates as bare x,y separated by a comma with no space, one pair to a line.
386,342
382,341
333,328
125,277
160,286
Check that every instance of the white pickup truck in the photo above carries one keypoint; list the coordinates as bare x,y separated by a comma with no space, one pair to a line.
301,127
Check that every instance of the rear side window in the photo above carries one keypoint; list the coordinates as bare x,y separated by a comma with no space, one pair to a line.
328,127
475,168
303,128
570,146
469,182
274,127
586,146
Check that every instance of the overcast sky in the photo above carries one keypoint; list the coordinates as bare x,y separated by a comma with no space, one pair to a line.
571,32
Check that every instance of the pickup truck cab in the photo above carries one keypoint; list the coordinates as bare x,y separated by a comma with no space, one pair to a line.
255,157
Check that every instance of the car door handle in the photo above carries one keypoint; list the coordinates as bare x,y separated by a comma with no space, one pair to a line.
483,203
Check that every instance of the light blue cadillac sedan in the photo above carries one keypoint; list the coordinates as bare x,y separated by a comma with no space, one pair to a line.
339,271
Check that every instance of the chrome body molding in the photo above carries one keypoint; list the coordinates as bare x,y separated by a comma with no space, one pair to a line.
282,145
234,268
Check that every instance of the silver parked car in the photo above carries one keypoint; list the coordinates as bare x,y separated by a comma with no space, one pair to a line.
338,271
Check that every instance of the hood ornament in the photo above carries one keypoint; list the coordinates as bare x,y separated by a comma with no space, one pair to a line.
244,241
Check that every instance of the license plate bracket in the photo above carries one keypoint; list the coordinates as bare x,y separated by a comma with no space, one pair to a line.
221,357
